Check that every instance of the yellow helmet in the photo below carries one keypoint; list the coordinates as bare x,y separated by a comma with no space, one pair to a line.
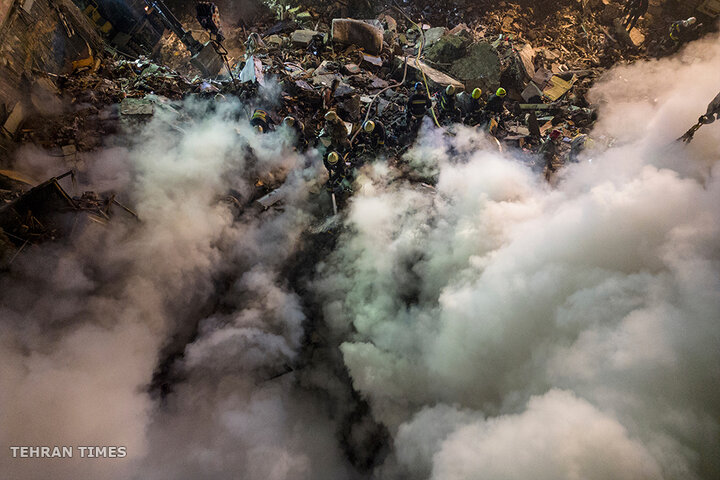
289,121
259,129
476,93
500,92
369,126
450,90
333,158
331,116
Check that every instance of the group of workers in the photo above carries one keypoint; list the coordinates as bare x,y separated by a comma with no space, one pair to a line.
453,107
341,151
680,31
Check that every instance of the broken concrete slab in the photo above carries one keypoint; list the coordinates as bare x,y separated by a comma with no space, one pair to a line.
527,57
347,31
325,80
274,41
436,79
481,67
432,36
447,49
302,38
372,60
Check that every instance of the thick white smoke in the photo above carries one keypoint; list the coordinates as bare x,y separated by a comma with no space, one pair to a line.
504,329
86,321
497,327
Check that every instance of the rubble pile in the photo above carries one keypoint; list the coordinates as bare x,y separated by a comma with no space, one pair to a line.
519,72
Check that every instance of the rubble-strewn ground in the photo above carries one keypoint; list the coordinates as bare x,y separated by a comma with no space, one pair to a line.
484,297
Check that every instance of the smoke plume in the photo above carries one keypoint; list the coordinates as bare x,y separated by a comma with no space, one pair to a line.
487,326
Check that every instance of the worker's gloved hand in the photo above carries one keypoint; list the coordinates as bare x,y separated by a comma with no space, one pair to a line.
707,119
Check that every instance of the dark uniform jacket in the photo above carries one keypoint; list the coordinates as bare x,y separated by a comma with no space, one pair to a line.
418,104
261,118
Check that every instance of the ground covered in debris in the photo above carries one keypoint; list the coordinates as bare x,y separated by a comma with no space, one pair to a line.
537,261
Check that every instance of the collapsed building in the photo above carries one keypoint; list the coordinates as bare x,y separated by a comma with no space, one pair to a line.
134,125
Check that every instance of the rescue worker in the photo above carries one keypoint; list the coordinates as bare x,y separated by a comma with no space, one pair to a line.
634,9
448,106
578,145
548,151
261,121
475,114
336,130
208,16
713,112
496,101
299,128
680,31
335,166
417,106
374,134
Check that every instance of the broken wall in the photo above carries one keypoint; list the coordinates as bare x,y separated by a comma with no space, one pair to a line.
38,36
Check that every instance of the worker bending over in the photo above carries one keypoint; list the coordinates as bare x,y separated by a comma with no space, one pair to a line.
496,101
335,166
261,121
299,128
681,31
336,130
373,134
474,108
449,111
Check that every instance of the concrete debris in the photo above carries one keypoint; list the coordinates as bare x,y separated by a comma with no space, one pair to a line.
347,31
447,49
361,69
480,68
436,79
302,38
432,36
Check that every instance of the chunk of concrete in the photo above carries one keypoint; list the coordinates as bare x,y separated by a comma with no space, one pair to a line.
436,79
532,94
347,31
481,67
527,57
432,36
302,38
447,49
